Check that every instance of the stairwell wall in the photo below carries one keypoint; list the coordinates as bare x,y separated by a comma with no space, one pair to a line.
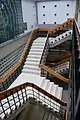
29,13
55,12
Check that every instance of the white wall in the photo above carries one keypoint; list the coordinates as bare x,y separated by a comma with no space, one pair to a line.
29,13
61,10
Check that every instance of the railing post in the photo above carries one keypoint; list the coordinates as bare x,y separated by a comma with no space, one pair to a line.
3,110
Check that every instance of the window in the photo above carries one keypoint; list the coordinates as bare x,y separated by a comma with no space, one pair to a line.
54,22
43,14
55,14
55,5
43,6
67,5
43,22
67,14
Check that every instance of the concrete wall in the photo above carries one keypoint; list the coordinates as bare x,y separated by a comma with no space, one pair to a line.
55,12
29,13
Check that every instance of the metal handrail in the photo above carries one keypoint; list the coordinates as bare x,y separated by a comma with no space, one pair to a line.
17,96
53,73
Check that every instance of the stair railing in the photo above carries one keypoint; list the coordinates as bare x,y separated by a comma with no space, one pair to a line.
53,73
7,62
61,27
12,99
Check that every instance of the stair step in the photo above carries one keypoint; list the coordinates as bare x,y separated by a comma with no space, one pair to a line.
44,86
36,50
37,47
53,89
33,56
33,59
58,95
38,41
35,53
30,71
38,44
59,92
41,39
31,67
47,88
31,63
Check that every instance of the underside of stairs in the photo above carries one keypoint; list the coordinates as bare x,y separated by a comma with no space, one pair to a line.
36,111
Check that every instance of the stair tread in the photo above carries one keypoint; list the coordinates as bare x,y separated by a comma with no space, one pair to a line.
44,86
31,67
53,89
31,71
37,47
33,56
38,41
47,86
35,53
31,63
37,50
29,60
33,59
38,44
59,92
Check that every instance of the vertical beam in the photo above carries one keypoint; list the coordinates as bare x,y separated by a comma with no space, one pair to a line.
77,13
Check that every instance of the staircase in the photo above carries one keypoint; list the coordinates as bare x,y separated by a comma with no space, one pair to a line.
30,85
60,39
33,59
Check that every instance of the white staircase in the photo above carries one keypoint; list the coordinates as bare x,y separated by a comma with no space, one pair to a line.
60,39
33,59
31,73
